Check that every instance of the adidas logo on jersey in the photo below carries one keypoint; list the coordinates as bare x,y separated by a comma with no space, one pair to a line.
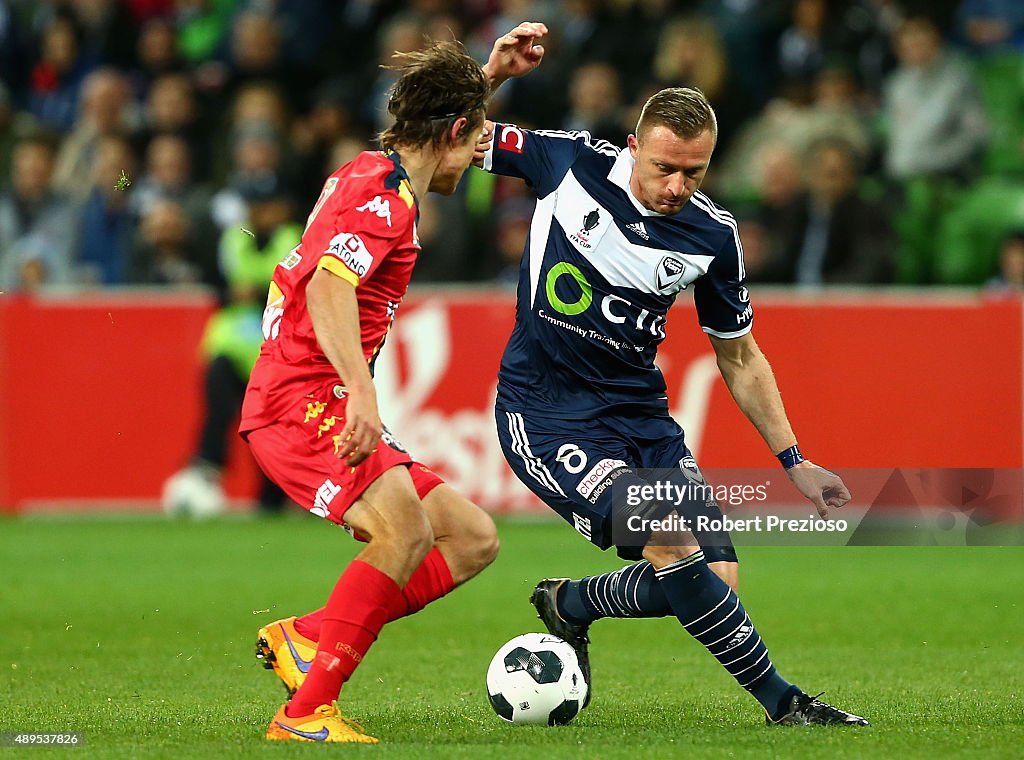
639,229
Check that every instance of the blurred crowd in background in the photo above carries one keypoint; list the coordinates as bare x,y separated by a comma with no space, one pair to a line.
178,142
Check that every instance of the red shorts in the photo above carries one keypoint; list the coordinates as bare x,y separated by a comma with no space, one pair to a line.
299,453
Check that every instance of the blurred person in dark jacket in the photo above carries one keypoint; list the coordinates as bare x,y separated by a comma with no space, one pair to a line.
595,101
57,76
165,249
105,108
830,234
107,216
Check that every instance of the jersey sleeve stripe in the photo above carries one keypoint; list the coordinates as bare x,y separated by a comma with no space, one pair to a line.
334,266
601,146
729,335
705,204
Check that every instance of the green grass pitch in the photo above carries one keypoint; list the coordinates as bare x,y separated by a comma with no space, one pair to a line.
139,632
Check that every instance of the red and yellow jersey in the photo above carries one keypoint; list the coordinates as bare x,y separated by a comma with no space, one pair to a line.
362,229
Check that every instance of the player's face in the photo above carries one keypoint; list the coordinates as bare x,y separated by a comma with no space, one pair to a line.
455,159
668,168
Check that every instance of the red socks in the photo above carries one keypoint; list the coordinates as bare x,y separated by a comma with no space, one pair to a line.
430,581
363,600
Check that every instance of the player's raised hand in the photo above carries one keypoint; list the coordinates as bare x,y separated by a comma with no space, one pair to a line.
483,143
361,434
824,488
515,53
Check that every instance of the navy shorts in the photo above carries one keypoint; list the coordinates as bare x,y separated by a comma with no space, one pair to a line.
572,465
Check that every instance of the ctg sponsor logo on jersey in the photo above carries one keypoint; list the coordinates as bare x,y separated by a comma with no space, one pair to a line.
615,309
379,206
352,251
596,475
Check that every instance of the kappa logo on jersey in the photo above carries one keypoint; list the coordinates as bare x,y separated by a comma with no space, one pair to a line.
638,229
379,206
511,139
352,251
670,269
324,496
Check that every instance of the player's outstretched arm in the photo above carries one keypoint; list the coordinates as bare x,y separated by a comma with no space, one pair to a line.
752,384
515,54
334,311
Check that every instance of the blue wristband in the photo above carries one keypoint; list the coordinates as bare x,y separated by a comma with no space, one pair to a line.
791,457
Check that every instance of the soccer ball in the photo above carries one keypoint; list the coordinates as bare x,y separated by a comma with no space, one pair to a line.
194,492
536,678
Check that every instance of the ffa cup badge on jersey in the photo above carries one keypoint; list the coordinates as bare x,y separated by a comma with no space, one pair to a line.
669,271
590,222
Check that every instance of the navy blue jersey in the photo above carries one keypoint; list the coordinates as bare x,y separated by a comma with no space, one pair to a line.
599,275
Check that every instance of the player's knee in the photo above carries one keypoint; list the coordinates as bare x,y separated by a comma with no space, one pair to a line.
474,543
728,572
484,542
416,535
403,527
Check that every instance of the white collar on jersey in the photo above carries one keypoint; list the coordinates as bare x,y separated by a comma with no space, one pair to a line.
621,171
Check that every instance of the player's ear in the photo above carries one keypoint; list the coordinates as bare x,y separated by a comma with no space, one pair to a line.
633,144
458,130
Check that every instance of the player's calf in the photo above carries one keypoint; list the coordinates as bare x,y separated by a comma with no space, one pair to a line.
464,533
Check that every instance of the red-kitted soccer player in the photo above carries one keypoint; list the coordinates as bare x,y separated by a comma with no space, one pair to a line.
310,411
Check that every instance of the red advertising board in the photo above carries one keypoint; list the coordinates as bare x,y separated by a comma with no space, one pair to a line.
99,395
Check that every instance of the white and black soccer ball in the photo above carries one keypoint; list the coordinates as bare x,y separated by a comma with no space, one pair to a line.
193,492
536,678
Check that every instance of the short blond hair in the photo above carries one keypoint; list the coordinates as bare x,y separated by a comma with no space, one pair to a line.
684,110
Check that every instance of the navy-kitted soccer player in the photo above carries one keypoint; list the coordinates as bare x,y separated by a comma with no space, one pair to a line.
616,234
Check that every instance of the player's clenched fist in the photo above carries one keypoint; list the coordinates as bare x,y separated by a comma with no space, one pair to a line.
516,53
